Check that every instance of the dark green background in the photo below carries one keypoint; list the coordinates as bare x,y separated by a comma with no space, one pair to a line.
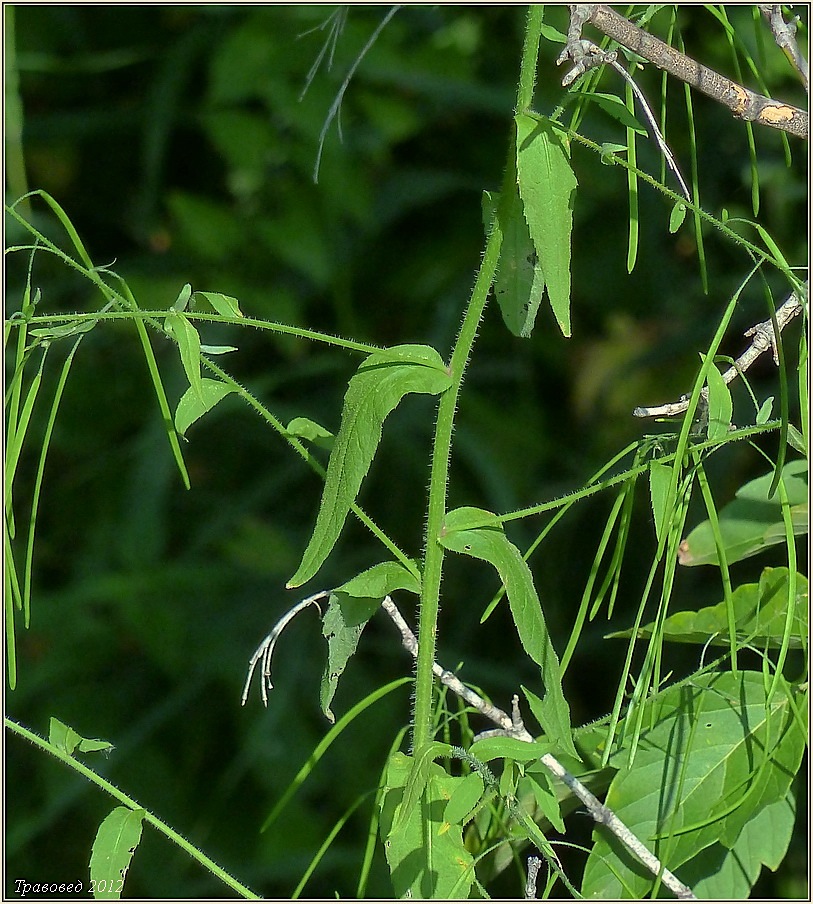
175,139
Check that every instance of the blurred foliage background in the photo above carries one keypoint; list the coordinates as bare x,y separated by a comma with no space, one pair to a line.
178,141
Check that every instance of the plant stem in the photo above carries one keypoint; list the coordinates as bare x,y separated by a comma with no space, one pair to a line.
120,796
441,451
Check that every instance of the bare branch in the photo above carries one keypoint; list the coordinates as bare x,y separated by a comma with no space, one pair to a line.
513,727
530,885
743,103
764,339
784,34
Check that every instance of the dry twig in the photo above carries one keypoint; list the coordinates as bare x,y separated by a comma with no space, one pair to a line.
764,338
743,103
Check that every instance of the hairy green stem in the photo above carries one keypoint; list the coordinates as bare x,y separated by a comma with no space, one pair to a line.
120,796
441,451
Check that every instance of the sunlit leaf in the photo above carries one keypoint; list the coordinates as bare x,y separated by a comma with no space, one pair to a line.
464,799
490,544
113,849
426,855
760,614
224,305
382,380
69,741
752,521
718,755
720,405
193,405
309,430
349,609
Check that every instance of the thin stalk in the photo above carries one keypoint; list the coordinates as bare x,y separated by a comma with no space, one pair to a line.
128,801
441,451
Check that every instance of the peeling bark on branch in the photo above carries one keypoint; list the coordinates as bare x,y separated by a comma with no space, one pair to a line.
743,103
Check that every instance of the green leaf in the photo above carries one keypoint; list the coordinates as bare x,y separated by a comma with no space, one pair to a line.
309,430
189,346
66,739
718,873
720,406
660,476
194,405
717,754
613,106
113,849
342,640
490,544
218,349
760,614
426,854
464,799
349,609
379,581
677,217
508,748
224,305
546,186
182,300
764,413
545,795
382,380
752,521
520,283
68,329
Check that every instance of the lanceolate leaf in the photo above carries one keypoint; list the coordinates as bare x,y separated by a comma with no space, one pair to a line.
113,849
491,545
193,405
546,185
718,753
753,521
720,406
189,346
520,282
349,609
382,380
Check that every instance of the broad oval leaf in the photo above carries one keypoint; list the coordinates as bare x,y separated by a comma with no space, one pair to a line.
490,544
752,521
718,752
426,855
113,849
380,383
546,186
760,614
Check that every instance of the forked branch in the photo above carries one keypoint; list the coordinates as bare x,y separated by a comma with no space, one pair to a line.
743,103
764,339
